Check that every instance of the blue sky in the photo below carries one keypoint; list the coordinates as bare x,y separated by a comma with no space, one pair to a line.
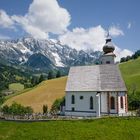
81,17
87,13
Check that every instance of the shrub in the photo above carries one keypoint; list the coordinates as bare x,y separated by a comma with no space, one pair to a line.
45,109
56,105
17,109
5,109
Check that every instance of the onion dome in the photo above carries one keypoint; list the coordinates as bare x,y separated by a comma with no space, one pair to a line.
108,47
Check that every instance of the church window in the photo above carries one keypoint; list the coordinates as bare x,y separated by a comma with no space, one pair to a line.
73,109
121,101
112,102
91,102
81,97
73,99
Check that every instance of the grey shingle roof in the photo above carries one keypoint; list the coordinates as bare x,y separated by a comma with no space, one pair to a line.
95,78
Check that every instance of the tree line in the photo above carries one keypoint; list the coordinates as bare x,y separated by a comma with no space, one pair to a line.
35,80
127,58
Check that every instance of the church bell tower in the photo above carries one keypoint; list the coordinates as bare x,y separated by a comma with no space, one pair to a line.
108,57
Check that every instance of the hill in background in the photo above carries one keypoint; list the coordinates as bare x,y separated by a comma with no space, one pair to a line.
45,93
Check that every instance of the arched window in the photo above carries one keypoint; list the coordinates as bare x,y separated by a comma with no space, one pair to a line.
121,101
112,100
91,102
73,99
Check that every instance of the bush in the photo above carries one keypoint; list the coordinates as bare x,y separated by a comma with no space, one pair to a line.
56,105
5,109
16,109
45,109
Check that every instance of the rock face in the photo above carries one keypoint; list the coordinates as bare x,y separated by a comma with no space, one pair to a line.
39,54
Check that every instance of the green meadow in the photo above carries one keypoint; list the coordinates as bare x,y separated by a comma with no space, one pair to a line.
16,87
99,129
131,73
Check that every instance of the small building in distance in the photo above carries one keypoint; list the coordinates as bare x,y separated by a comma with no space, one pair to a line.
98,89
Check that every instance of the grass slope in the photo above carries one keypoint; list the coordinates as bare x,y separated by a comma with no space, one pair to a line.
16,87
45,93
131,74
100,129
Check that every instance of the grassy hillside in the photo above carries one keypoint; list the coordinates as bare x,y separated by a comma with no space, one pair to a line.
45,93
131,73
101,129
16,87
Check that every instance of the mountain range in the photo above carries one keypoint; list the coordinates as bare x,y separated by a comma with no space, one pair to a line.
44,54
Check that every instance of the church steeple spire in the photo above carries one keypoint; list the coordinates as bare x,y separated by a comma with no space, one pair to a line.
108,49
108,38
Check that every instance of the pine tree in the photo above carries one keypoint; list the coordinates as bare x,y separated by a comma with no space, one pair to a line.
34,80
58,74
41,78
50,75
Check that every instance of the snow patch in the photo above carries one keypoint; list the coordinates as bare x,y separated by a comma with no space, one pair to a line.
58,60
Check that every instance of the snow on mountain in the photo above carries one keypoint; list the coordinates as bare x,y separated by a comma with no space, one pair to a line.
58,60
19,51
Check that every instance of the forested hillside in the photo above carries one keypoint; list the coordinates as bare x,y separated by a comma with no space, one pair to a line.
10,75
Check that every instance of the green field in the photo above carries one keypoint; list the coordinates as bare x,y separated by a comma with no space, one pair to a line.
16,87
131,73
101,129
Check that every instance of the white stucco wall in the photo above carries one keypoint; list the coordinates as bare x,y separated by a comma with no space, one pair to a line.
104,59
82,106
104,102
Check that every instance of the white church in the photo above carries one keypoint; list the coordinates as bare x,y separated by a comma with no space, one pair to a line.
98,89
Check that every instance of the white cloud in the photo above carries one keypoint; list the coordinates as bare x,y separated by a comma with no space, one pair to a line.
80,38
115,31
129,25
92,38
122,53
5,20
43,17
